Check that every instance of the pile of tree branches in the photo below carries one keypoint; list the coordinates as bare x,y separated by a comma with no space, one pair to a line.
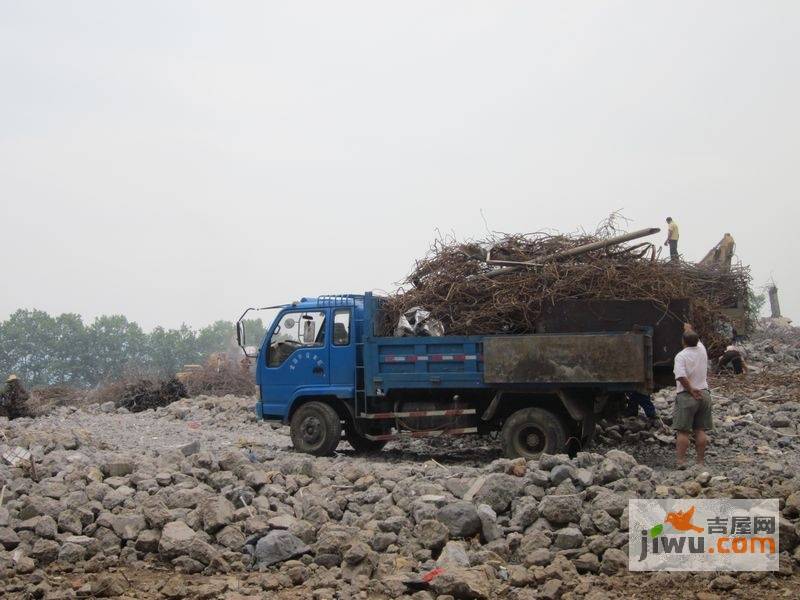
219,380
460,286
145,394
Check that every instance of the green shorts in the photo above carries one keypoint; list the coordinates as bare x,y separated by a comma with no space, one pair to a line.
690,414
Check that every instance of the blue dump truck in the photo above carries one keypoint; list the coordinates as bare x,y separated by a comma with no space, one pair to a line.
323,370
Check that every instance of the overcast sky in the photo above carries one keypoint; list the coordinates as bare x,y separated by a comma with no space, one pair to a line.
178,161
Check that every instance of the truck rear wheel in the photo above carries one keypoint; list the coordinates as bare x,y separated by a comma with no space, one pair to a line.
531,431
316,429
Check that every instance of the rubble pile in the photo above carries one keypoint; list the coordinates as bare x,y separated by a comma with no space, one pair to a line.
461,288
203,490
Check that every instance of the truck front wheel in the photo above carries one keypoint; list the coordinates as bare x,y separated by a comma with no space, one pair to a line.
531,431
316,429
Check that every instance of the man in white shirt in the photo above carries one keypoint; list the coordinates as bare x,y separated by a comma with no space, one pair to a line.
672,239
692,411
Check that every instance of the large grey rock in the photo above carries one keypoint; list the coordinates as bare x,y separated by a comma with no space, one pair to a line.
175,539
469,584
47,527
432,534
587,563
608,471
34,506
71,553
45,551
156,513
8,538
611,502
548,461
461,519
185,497
490,530
560,473
230,537
614,561
604,522
147,541
70,521
531,543
524,511
216,513
117,467
561,509
499,490
359,563
569,537
623,459
539,557
278,546
192,447
583,477
128,526
454,555
538,478
551,590
203,551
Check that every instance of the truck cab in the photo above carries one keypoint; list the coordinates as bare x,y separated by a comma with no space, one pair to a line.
309,351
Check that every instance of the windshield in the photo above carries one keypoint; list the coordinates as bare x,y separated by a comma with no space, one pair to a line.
296,329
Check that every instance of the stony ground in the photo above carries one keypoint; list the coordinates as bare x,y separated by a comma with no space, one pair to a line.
198,500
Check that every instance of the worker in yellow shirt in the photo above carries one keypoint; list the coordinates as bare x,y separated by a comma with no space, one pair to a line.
672,238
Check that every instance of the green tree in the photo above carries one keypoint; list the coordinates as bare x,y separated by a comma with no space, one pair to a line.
217,337
116,344
26,345
169,349
255,331
43,350
71,351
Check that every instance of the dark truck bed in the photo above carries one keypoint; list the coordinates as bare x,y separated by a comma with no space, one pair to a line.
615,344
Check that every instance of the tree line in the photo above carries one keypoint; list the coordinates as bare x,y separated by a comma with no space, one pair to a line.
45,350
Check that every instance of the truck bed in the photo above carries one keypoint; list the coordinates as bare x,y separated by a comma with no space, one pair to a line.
613,360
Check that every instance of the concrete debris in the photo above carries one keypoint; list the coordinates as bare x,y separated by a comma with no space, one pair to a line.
141,505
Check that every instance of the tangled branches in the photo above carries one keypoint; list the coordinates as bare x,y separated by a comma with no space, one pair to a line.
460,286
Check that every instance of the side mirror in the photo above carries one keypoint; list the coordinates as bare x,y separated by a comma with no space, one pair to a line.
240,336
309,332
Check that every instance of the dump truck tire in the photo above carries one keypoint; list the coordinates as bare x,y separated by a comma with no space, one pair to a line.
531,431
316,429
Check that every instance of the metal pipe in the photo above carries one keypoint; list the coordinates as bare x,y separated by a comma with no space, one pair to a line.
578,250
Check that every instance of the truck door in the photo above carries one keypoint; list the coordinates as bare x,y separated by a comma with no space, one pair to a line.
297,357
343,348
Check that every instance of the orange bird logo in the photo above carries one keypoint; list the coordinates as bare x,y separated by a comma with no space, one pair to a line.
682,520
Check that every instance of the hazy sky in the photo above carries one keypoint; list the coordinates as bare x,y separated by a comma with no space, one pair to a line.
178,161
